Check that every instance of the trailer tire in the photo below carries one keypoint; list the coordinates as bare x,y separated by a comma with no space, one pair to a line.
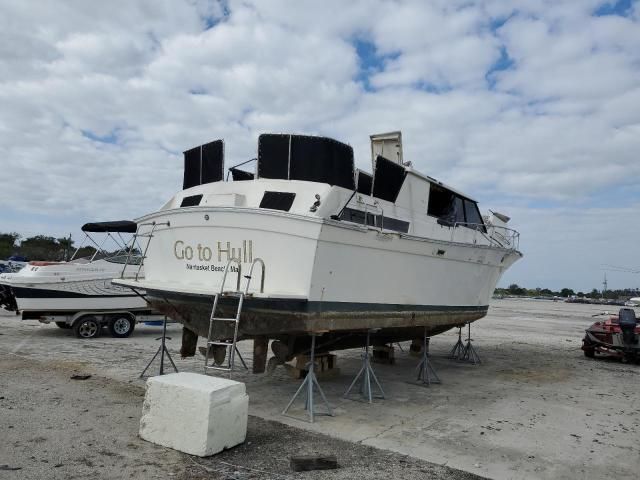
63,325
87,327
121,326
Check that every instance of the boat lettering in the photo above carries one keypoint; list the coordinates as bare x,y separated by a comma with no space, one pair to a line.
210,268
223,251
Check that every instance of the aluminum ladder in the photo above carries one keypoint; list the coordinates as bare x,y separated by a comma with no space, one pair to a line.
230,345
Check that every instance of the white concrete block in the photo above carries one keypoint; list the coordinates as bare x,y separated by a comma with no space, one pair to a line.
195,414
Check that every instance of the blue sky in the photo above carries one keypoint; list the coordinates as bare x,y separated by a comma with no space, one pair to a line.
532,107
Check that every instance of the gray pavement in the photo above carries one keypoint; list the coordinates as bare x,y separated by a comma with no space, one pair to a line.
534,408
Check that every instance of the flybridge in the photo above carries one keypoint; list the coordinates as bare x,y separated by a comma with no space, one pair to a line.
307,158
328,161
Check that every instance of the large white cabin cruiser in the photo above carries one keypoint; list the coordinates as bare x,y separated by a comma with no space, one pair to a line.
344,251
82,284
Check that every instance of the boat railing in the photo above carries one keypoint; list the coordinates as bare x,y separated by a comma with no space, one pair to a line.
505,237
497,236
372,209
141,232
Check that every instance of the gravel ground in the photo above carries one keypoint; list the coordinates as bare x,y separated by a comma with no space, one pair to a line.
55,427
535,408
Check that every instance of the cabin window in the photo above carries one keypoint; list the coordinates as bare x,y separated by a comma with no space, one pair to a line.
388,223
192,201
473,215
458,210
442,204
277,200
451,209
355,216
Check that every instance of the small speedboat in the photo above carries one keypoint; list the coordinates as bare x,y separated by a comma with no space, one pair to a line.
43,287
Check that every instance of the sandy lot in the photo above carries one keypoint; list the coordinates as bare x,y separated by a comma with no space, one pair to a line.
534,408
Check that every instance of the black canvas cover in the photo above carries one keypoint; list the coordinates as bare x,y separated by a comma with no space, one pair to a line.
387,179
192,168
122,226
204,164
273,156
302,157
365,181
213,162
321,159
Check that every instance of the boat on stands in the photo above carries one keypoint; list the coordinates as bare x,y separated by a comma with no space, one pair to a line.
336,250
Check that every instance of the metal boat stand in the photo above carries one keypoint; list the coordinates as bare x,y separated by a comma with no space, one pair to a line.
458,349
469,354
307,386
365,375
426,373
162,351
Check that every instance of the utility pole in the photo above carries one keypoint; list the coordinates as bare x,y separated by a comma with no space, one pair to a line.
604,284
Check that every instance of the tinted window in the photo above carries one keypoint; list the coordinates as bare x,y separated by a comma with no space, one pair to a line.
388,223
441,203
191,201
473,214
277,200
351,215
458,209
394,224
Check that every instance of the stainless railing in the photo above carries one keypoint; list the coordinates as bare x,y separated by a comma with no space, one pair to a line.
498,236
135,241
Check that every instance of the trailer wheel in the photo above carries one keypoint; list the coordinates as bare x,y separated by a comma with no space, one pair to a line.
86,327
121,326
63,325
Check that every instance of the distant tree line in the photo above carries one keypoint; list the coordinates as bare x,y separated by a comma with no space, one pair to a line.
40,247
516,290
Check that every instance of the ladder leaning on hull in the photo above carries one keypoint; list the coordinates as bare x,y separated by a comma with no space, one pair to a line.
231,347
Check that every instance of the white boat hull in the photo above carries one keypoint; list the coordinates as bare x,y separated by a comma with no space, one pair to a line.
320,275
55,287
93,295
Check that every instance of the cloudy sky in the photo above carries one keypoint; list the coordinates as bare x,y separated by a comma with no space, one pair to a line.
530,106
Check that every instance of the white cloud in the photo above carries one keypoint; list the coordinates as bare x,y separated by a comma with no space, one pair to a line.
559,124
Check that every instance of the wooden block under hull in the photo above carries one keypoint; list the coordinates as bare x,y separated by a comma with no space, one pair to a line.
325,366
